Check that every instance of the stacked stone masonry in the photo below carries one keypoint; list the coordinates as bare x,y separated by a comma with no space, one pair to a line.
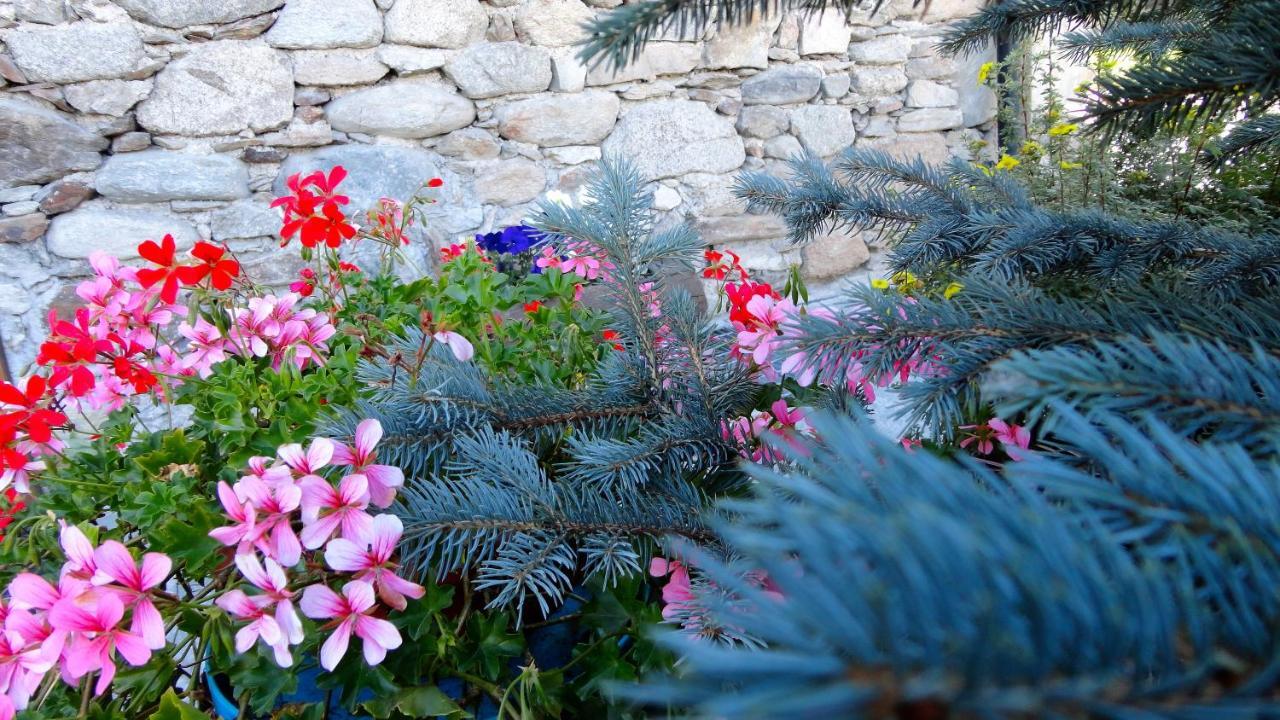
122,120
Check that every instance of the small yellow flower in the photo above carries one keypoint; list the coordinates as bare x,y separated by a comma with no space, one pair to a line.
1068,165
880,284
1063,129
951,290
984,72
1007,162
904,278
1032,148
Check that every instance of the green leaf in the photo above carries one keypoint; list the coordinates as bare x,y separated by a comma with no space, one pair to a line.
142,685
172,708
427,701
494,643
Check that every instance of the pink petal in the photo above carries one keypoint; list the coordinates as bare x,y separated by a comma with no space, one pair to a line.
336,646
83,657
353,489
133,648
379,636
283,657
28,590
317,531
658,567
229,535
292,455
109,610
77,547
155,568
269,630
346,556
108,674
368,433
230,501
320,603
246,638
387,530
355,523
393,589
383,481
359,595
319,454
285,545
148,624
237,604
68,616
343,455
251,568
289,622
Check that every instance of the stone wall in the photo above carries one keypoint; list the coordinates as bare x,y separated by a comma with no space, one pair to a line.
122,120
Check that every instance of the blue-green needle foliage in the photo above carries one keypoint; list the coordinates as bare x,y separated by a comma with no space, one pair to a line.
1115,315
533,488
914,586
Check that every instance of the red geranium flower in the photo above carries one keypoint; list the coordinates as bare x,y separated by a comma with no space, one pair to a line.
31,416
168,272
612,336
532,307
222,272
312,209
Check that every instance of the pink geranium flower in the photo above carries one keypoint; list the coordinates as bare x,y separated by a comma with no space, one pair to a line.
244,519
1011,436
79,551
350,611
383,479
460,346
133,584
307,464
677,595
326,509
369,557
98,638
274,505
278,630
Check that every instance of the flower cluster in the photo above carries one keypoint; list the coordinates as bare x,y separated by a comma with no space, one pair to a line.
781,422
578,258
313,210
284,508
78,624
984,436
269,326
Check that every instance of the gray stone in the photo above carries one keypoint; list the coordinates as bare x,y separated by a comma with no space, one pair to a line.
880,126
930,147
63,195
469,144
931,67
832,255
26,207
930,119
657,58
159,175
923,93
552,23
763,121
669,138
488,70
824,33
244,219
409,60
49,12
131,142
308,97
879,80
324,25
823,130
741,46
76,52
555,120
337,67
264,155
22,229
783,147
666,198
184,13
221,88
732,230
574,154
568,74
9,71
885,50
944,10
509,182
782,85
835,86
39,145
403,108
18,194
116,231
106,97
501,29
436,23
245,29
977,102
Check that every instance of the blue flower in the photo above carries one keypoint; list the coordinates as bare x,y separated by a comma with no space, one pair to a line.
510,241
